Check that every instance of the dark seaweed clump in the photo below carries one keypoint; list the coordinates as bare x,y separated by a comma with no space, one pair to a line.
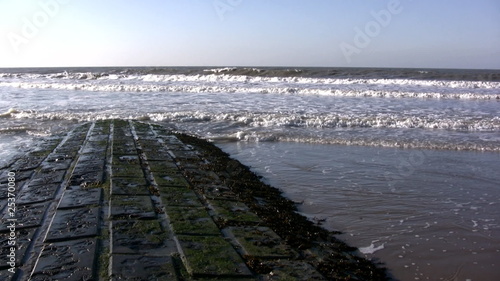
337,262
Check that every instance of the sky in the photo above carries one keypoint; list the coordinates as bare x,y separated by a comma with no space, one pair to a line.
324,33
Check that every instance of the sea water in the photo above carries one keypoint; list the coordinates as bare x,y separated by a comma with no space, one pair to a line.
403,161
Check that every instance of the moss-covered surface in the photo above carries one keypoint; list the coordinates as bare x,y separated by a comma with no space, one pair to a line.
280,214
205,256
262,243
170,178
191,220
179,196
234,213
137,236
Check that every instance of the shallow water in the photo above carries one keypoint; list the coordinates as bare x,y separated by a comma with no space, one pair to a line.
427,214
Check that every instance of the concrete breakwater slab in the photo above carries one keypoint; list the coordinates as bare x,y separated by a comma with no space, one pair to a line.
127,200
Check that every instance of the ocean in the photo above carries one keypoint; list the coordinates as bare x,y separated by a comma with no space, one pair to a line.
404,162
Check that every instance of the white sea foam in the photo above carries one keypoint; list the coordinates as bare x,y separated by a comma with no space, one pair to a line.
282,90
213,83
371,249
253,119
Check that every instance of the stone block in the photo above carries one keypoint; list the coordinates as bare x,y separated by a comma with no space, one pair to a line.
234,212
27,216
37,193
193,221
179,196
145,237
23,239
70,260
129,186
76,196
211,256
131,207
128,171
48,178
74,223
134,267
261,242
170,178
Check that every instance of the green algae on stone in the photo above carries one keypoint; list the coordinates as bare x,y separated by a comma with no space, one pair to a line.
125,206
163,166
179,196
262,242
191,220
132,171
170,178
234,212
207,255
129,186
140,267
137,236
125,160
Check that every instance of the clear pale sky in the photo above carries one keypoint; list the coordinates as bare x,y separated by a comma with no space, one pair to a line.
332,33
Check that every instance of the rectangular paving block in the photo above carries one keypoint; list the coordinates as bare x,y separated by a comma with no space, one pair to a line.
27,163
125,159
211,256
98,137
90,163
162,166
234,212
129,186
190,220
145,237
48,178
160,154
75,196
123,147
197,176
144,142
170,178
73,260
88,178
293,270
4,192
129,171
22,240
29,215
128,206
95,147
74,223
37,193
92,157
56,165
20,175
134,267
261,242
179,196
219,192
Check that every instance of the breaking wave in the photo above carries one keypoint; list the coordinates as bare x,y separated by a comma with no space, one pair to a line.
347,88
283,119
